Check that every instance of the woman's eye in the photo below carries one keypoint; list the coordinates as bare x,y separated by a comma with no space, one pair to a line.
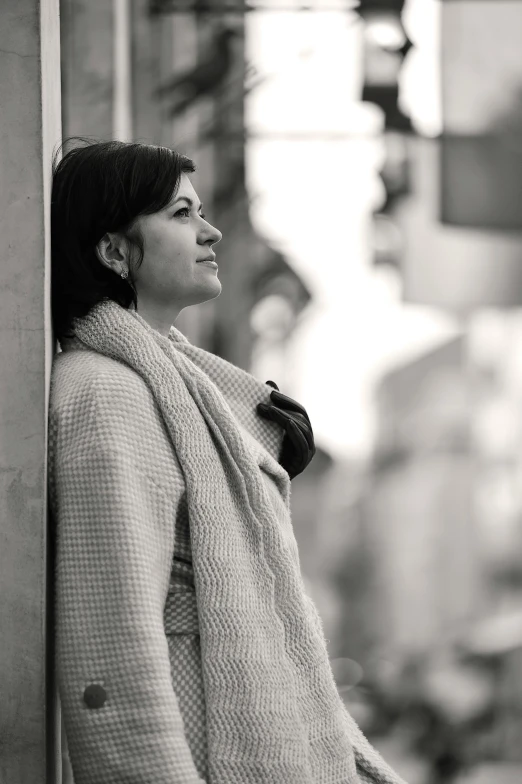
185,212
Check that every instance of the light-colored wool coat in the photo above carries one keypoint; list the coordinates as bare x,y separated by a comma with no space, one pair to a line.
228,683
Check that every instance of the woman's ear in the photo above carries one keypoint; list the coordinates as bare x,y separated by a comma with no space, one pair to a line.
110,251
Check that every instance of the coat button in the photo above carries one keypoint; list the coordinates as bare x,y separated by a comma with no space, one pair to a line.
94,696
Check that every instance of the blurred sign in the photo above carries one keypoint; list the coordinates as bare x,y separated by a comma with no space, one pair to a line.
452,267
481,156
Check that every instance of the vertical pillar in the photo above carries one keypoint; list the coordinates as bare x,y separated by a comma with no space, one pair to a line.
89,57
151,66
122,59
232,333
29,132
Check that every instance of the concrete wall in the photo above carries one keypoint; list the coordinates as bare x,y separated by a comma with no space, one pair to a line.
29,129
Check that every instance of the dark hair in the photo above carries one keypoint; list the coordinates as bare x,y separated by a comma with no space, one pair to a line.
100,187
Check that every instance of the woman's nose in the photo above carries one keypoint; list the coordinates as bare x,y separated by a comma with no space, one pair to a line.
214,234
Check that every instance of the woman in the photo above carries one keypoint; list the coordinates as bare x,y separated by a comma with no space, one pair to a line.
186,647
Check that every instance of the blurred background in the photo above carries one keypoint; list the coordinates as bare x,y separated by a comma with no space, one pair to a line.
363,161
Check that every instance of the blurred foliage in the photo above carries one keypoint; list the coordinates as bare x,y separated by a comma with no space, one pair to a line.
204,78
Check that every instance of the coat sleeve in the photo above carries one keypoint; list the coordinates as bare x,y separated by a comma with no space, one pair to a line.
114,516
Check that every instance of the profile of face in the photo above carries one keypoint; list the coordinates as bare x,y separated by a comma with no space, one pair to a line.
175,271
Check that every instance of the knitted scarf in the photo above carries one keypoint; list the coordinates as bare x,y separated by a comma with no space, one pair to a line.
274,715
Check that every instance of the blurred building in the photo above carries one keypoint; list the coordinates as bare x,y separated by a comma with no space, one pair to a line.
418,511
445,516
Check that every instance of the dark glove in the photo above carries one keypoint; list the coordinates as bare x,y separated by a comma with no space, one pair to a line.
298,446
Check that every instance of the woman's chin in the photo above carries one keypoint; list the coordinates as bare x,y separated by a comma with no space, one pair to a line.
211,291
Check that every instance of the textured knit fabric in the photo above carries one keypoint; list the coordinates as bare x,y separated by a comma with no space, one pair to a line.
145,429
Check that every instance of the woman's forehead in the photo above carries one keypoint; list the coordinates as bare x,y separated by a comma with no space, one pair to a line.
185,187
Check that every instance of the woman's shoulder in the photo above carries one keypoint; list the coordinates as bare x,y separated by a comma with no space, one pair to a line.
97,400
82,377
74,372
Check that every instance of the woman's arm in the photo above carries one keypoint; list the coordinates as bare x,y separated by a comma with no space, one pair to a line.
115,536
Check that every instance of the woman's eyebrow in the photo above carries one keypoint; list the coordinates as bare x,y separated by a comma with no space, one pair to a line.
188,200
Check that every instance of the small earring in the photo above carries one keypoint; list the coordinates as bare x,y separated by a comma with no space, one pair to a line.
124,274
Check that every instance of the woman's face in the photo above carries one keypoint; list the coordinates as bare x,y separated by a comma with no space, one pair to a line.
171,276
